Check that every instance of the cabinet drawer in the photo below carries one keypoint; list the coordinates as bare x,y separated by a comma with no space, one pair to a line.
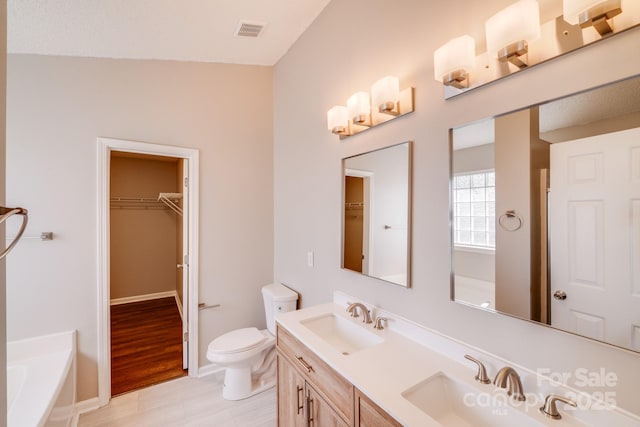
368,414
334,388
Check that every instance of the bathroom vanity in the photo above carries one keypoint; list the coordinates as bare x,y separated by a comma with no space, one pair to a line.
311,392
335,370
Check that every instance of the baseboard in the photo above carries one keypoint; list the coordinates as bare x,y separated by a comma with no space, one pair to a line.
147,297
84,407
209,370
179,304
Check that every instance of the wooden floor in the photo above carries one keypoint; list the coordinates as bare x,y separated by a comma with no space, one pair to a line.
146,344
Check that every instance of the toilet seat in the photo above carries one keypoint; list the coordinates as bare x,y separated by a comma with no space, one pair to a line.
237,341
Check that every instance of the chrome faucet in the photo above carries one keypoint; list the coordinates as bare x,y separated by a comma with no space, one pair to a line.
363,309
508,376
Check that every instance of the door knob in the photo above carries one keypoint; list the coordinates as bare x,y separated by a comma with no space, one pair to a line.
560,295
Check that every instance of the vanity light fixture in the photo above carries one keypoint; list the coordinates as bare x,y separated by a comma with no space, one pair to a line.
509,31
338,120
385,94
364,110
453,60
359,108
589,13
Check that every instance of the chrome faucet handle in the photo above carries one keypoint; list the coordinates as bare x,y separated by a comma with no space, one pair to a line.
378,322
481,376
352,309
550,410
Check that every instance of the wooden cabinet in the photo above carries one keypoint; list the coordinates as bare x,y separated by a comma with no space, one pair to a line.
320,412
312,394
291,395
368,414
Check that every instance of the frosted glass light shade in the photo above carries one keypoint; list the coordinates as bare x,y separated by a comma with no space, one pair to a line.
456,54
384,91
571,9
520,21
359,104
337,118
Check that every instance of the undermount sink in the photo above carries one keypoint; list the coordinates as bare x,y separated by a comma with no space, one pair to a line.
341,333
455,404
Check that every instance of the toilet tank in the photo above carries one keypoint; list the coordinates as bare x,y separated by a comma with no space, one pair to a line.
277,299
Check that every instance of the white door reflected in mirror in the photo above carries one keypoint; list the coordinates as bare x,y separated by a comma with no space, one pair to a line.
376,207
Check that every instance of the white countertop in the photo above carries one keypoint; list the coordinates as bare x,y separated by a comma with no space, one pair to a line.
385,370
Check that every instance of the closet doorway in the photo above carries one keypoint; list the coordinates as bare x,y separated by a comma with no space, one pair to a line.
147,267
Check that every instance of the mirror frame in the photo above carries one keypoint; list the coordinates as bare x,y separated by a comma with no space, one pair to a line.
343,168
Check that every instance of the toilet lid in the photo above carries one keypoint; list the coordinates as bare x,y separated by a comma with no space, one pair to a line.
237,341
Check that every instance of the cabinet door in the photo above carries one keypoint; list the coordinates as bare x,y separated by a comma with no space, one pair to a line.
320,413
291,395
368,414
332,386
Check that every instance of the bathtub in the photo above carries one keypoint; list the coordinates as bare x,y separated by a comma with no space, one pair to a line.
41,381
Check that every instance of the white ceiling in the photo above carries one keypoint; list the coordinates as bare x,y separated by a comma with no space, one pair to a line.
603,103
183,30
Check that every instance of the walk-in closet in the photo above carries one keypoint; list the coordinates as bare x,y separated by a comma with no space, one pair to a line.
146,277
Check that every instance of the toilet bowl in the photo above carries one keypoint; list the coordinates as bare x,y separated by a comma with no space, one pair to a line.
248,354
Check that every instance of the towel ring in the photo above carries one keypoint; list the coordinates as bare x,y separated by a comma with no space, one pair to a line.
510,214
6,213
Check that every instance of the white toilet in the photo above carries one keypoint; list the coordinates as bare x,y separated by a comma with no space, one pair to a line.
248,354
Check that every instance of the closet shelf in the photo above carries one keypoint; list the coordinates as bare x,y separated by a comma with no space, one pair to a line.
163,201
353,205
171,200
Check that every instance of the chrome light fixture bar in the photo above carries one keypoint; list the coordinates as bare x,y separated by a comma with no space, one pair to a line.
366,110
516,40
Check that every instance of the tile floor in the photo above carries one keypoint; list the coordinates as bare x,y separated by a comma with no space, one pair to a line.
185,402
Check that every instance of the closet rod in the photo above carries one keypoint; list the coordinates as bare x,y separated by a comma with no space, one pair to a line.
134,199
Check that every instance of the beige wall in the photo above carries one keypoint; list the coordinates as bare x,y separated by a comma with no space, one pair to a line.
3,282
481,157
143,237
402,37
519,156
58,106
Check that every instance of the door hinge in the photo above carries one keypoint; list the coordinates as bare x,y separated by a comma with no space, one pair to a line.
186,181
185,336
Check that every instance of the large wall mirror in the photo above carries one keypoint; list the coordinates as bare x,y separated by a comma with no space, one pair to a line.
376,213
546,213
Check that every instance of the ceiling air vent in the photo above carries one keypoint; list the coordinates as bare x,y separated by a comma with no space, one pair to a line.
249,29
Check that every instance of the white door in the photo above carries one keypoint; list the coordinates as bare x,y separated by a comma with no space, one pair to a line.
186,263
595,237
